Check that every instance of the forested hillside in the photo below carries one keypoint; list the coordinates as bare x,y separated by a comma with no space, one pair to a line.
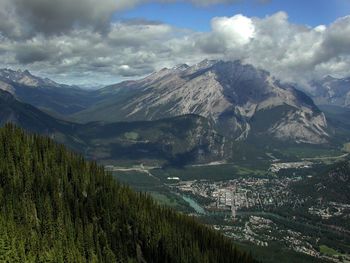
332,185
57,207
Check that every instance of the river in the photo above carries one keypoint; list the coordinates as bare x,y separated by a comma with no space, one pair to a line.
197,207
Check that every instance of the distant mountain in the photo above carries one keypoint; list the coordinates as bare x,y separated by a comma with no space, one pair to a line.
241,100
44,93
34,120
178,140
246,114
27,116
26,78
332,91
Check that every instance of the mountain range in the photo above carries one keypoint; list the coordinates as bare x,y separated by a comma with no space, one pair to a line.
174,140
199,113
233,96
45,94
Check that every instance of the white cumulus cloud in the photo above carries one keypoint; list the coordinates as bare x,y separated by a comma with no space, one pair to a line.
75,41
236,30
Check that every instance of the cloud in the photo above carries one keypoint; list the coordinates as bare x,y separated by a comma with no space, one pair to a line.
125,4
88,47
228,34
235,31
30,17
26,18
292,52
337,40
128,49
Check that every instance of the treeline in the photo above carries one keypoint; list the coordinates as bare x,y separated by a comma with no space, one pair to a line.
57,207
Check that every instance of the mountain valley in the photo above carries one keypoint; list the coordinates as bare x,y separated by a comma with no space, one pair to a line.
190,133
174,131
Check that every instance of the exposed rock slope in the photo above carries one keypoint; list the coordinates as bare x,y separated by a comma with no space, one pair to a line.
332,91
229,94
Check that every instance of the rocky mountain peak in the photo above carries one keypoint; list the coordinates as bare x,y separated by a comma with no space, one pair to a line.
181,67
328,78
331,91
24,78
206,63
228,93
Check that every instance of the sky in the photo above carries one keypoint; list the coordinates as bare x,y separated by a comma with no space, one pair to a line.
186,15
93,43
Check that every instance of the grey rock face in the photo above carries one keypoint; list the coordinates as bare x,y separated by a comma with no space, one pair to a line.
332,91
228,93
239,100
8,76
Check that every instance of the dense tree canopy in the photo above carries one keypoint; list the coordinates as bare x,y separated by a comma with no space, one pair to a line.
57,207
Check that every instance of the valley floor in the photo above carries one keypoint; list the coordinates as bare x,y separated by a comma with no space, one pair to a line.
257,208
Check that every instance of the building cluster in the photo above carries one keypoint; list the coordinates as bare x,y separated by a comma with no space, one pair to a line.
248,200
263,232
328,210
243,193
276,167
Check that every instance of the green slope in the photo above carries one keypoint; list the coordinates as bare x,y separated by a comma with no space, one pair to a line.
339,120
176,140
331,184
179,140
62,100
35,120
56,207
110,104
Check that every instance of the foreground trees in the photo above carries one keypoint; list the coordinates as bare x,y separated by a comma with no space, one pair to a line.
57,207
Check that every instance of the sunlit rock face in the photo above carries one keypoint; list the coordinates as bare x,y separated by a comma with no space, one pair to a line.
230,94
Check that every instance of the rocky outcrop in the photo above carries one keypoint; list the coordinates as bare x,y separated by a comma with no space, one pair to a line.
332,91
228,93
